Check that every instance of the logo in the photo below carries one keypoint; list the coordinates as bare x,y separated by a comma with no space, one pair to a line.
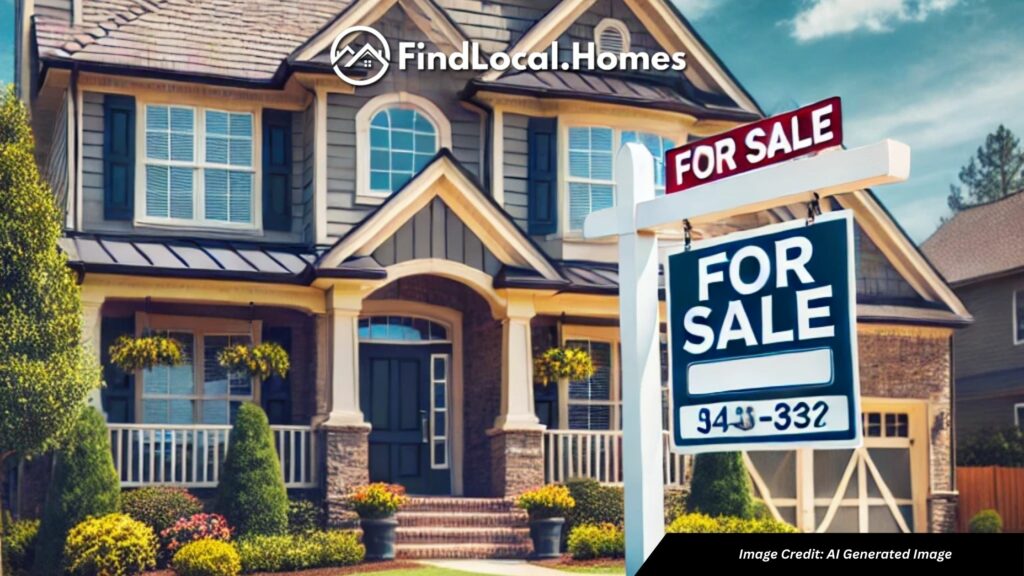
373,58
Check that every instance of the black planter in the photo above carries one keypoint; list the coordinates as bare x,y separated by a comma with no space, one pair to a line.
379,537
546,534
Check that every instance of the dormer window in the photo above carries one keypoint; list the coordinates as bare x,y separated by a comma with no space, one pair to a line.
611,36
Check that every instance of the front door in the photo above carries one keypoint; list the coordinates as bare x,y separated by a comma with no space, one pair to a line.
409,438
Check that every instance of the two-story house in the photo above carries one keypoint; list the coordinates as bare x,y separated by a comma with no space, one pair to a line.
415,243
979,252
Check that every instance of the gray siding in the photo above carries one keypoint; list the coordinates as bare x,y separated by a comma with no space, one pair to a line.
582,31
92,185
436,232
306,170
877,280
987,345
496,23
56,172
515,167
343,212
58,9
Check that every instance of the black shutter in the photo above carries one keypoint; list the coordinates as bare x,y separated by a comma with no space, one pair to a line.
543,175
277,170
118,157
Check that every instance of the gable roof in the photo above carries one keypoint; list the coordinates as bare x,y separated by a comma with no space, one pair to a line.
980,242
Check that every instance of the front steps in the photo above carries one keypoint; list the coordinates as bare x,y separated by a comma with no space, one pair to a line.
445,527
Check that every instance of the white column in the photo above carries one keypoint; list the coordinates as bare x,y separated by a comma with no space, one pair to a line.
91,324
805,519
641,373
343,329
517,409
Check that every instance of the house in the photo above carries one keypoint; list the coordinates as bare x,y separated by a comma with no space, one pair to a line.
415,242
979,252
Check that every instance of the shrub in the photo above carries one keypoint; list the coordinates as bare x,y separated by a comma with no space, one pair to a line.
84,484
588,541
251,493
595,504
207,558
377,500
551,501
720,486
675,502
986,522
702,523
161,506
19,544
992,447
111,545
194,528
298,552
304,516
760,509
693,524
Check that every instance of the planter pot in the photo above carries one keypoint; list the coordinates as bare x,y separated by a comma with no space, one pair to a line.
546,534
379,537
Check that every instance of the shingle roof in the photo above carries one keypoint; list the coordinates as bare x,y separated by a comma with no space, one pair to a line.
979,242
237,39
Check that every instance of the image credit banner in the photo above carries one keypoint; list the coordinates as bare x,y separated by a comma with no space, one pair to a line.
762,339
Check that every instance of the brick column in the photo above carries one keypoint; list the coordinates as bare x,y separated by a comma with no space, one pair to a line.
517,455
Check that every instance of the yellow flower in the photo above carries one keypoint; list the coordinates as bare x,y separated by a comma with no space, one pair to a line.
571,363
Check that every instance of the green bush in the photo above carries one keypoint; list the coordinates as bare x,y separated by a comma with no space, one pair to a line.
992,447
675,502
19,544
251,493
760,509
299,552
159,507
588,541
304,516
595,503
720,486
207,558
986,522
111,545
702,523
84,484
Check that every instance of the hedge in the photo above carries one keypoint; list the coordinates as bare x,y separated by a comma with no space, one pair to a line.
588,541
207,558
281,553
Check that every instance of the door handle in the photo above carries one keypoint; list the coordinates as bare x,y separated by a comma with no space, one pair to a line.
424,423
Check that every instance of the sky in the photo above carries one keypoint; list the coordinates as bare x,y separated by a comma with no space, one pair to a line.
936,74
6,41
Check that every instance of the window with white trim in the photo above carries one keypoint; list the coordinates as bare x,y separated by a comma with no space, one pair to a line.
595,403
439,411
590,179
402,142
1018,317
1018,415
198,167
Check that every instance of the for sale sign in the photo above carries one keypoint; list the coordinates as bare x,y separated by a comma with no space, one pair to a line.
762,339
769,141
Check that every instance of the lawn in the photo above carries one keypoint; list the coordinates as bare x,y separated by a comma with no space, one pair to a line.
598,566
422,571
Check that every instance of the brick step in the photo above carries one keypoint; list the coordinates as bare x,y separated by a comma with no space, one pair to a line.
443,504
451,551
515,519
448,535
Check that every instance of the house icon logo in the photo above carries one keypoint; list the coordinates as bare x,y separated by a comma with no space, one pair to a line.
360,66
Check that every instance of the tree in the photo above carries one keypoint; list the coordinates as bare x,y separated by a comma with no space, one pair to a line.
720,486
45,373
84,484
995,171
251,493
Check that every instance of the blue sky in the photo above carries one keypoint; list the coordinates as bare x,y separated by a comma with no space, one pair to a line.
6,41
936,74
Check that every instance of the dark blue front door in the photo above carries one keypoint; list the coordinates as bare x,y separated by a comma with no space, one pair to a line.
394,394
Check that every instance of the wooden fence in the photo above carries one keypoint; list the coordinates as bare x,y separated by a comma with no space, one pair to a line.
993,487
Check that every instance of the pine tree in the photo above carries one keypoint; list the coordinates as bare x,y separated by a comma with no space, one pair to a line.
995,171
45,373
251,493
720,486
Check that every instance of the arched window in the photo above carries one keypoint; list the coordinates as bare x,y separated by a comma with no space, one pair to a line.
398,136
611,36
401,329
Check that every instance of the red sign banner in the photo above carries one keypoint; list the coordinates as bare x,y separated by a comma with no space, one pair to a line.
756,145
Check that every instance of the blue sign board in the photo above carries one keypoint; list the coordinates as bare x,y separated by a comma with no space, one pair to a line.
762,339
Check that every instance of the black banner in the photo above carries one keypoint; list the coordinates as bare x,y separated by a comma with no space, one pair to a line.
816,554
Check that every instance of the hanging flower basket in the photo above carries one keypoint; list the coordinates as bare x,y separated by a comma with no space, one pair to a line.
558,363
261,361
145,352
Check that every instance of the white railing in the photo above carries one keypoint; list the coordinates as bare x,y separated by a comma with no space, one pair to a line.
597,454
192,455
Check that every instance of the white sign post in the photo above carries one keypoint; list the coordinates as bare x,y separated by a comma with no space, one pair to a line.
635,220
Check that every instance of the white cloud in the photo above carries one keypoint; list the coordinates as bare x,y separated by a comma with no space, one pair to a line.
697,9
823,18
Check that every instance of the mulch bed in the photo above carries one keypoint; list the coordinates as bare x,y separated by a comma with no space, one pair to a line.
567,561
357,569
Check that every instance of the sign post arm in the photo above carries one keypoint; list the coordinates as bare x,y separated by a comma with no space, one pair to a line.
641,374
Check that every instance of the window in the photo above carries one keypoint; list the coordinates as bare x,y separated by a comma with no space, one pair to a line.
611,36
439,411
400,329
886,425
594,403
591,178
199,167
1018,317
1018,415
402,142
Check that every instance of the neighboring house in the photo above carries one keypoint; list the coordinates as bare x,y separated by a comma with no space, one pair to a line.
415,243
980,252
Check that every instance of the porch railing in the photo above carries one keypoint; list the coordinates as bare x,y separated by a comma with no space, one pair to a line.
191,455
597,454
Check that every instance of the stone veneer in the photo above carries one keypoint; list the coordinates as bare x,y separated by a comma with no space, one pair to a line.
347,465
517,461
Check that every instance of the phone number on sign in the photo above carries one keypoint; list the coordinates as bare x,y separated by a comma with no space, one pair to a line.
808,415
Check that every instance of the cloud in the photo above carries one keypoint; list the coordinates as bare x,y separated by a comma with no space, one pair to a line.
823,18
697,9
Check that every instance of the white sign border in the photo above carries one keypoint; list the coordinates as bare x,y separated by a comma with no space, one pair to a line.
858,440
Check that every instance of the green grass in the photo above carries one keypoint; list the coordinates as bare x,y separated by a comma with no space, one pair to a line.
421,571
